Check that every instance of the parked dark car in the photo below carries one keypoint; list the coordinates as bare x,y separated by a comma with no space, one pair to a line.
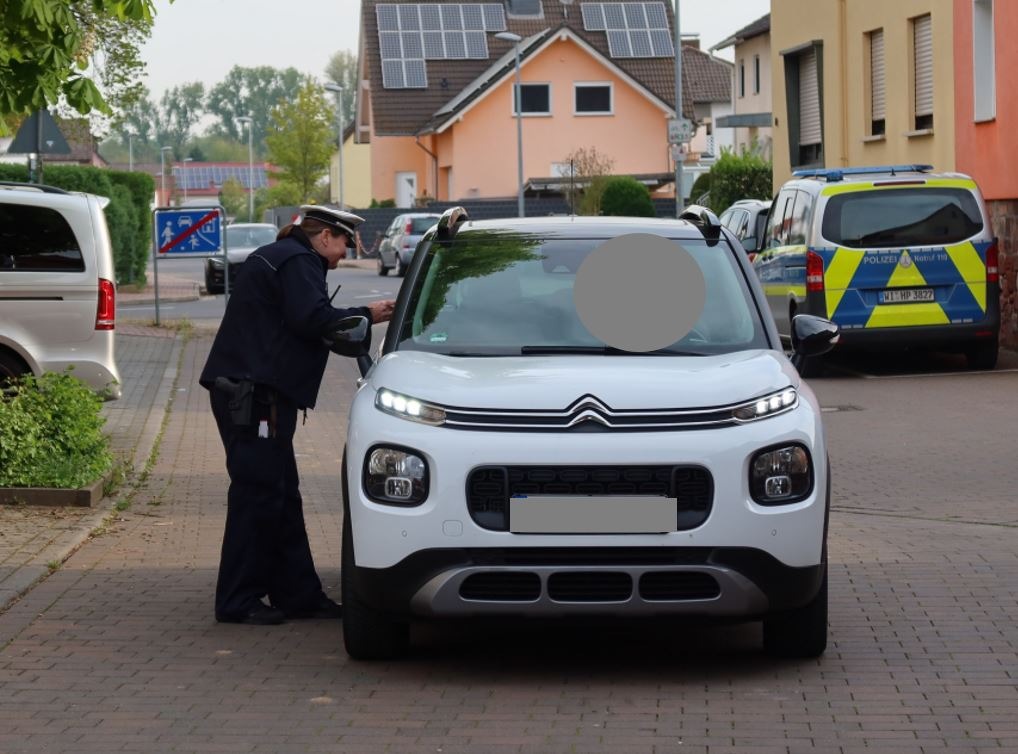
400,239
241,240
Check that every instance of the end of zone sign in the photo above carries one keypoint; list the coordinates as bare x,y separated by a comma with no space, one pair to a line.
196,231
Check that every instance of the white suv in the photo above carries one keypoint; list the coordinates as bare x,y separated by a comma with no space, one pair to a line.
57,293
500,460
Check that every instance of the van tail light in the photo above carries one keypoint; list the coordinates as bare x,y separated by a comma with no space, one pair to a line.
814,272
409,227
992,260
106,311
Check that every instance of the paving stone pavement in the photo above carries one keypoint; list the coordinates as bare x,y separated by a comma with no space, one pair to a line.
118,651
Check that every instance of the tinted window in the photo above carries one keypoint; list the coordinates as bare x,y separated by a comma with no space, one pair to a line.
494,293
799,220
776,228
593,99
902,217
534,98
422,224
238,236
37,239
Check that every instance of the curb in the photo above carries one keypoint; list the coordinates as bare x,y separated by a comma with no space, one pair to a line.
63,546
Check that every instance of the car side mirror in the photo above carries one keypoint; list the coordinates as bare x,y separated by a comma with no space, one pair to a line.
751,244
350,336
813,336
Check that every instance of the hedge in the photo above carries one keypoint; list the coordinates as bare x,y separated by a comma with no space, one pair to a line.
734,177
626,197
128,215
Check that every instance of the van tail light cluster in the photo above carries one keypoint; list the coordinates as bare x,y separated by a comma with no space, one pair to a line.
992,260
409,227
106,311
814,272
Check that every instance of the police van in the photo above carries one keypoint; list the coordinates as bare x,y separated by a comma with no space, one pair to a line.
895,255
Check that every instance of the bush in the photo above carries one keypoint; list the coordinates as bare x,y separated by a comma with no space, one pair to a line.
626,197
734,177
128,214
51,433
700,187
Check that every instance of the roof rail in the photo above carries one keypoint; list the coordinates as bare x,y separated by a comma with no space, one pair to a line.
833,175
34,187
706,220
449,221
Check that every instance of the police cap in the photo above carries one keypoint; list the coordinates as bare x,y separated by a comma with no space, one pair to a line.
346,222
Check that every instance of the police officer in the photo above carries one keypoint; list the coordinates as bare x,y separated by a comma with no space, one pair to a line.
266,364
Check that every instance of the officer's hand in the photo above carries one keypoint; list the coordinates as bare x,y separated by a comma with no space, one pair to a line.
381,311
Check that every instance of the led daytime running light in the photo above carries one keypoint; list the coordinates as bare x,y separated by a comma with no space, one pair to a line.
768,405
408,408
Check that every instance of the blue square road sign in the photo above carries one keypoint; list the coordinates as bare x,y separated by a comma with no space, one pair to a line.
184,232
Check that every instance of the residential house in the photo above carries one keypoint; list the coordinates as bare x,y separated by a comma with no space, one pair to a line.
866,82
436,100
356,172
751,118
709,82
199,183
986,129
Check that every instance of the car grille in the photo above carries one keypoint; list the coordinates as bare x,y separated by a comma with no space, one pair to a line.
490,487
678,585
590,586
502,586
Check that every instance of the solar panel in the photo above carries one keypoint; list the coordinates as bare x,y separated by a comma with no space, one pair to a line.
409,20
416,75
455,45
392,74
434,47
451,18
614,16
618,44
473,18
634,16
656,16
494,17
477,45
388,17
389,45
431,17
639,41
413,47
661,43
525,7
593,16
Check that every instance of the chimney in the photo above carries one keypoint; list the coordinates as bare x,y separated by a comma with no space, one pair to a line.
691,40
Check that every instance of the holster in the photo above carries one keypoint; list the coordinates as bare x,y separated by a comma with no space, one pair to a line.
241,403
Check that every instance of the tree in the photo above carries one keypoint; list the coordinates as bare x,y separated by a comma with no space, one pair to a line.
251,92
233,197
180,110
300,142
47,46
624,196
342,70
588,165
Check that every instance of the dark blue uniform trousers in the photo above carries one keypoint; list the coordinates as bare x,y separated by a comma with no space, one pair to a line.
265,545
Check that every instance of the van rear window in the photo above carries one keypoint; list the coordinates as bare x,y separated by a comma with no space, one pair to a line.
422,224
37,239
902,217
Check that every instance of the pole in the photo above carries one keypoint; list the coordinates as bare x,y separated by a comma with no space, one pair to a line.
130,153
38,146
519,136
162,176
250,175
679,193
339,94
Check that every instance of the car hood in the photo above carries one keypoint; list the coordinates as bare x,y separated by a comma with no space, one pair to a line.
555,382
240,253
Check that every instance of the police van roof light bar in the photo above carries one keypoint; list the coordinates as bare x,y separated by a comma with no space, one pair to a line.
832,175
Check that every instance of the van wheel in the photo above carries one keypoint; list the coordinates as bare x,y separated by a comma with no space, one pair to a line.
400,267
382,269
368,634
11,367
800,632
983,356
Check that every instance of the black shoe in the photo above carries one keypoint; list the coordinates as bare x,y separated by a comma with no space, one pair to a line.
323,609
260,615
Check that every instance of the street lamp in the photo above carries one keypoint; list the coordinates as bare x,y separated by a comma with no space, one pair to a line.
339,118
508,36
162,172
680,194
130,151
183,175
247,120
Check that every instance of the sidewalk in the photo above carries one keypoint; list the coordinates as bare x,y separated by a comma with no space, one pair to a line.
35,540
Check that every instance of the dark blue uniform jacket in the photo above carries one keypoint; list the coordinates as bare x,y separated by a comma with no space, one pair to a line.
272,330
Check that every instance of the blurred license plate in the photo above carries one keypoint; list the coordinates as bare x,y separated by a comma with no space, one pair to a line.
906,295
575,514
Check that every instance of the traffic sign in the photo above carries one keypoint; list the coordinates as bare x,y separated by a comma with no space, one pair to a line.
197,231
680,130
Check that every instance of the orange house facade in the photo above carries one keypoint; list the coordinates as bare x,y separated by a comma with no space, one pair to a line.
986,129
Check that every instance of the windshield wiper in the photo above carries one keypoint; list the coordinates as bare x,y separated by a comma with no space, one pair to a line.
599,351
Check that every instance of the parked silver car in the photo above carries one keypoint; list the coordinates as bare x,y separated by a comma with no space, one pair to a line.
747,219
401,238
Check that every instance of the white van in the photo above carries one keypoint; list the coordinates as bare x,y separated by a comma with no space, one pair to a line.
57,292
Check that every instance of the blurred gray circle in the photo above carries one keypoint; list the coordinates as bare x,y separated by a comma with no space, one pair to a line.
639,292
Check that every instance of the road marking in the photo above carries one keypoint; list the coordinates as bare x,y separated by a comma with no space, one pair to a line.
935,374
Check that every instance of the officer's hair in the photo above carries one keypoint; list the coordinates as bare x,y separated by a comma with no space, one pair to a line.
310,226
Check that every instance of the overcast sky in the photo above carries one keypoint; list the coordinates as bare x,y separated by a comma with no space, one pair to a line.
201,40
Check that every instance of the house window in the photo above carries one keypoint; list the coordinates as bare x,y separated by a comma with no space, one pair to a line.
535,99
878,97
805,103
984,75
922,72
756,74
742,78
593,99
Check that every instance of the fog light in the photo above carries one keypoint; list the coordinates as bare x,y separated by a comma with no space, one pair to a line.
396,476
781,475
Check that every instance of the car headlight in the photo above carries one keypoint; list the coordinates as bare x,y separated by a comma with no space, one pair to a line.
781,475
396,476
408,408
768,405
216,261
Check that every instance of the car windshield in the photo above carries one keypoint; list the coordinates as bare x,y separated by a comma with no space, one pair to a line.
421,225
509,294
238,236
902,217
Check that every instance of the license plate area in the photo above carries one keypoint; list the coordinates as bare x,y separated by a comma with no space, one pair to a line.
906,295
582,514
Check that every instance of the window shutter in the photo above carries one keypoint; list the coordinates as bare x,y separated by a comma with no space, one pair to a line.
878,101
922,29
809,100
